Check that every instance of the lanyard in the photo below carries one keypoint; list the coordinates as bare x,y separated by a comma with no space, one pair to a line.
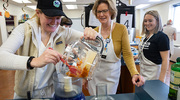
143,43
108,40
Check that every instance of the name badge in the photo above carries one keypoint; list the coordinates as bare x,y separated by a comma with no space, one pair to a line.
60,42
103,56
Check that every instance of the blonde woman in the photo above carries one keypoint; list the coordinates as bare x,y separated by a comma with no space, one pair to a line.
35,63
115,37
154,49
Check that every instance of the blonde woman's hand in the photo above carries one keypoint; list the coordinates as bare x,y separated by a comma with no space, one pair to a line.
138,80
48,56
90,33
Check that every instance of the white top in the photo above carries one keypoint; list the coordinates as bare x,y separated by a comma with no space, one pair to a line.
170,31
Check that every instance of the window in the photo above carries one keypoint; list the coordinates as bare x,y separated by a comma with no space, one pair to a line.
177,16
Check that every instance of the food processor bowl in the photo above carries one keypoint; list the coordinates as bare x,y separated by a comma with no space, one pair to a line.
67,88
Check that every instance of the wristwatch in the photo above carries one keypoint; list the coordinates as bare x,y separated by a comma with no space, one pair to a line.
29,61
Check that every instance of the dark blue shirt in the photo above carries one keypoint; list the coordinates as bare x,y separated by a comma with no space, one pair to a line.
158,42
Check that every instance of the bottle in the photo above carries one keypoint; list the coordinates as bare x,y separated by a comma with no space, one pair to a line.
174,80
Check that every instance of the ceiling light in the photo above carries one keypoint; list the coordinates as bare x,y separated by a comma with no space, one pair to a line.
154,0
32,7
22,1
71,6
142,6
69,0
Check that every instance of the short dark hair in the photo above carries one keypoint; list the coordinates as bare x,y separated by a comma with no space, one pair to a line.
66,21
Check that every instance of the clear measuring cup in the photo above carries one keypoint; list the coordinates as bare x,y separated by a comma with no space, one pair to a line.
101,92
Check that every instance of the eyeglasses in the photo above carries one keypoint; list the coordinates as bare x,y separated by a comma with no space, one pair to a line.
103,11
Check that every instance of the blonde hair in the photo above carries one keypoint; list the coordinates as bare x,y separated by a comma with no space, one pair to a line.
111,7
37,18
158,27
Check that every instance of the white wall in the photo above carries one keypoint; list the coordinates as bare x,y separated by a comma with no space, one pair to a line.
165,11
77,24
0,37
73,13
139,14
15,11
76,19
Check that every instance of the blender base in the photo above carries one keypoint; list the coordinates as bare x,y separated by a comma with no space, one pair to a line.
77,97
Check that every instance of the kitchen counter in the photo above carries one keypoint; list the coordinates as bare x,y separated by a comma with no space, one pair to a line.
151,90
155,89
133,44
127,96
124,64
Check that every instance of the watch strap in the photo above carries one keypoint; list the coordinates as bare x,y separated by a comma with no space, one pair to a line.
29,61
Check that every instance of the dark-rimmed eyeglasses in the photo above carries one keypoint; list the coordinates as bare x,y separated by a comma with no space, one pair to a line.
102,11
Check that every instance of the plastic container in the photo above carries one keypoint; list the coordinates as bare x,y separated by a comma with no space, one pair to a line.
67,88
174,80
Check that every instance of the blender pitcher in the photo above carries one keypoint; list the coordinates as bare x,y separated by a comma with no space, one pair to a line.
82,57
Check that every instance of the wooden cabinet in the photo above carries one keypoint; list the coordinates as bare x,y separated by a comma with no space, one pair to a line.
125,81
136,46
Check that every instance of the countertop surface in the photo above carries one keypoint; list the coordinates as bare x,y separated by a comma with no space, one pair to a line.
156,89
124,64
126,96
134,51
151,90
134,44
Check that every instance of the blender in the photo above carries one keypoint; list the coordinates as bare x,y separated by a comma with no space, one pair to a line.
79,61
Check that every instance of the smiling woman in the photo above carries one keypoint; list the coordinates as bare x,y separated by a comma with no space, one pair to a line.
115,37
48,24
35,63
150,23
154,49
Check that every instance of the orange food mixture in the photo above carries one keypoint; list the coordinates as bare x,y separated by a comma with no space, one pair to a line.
84,72
81,73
